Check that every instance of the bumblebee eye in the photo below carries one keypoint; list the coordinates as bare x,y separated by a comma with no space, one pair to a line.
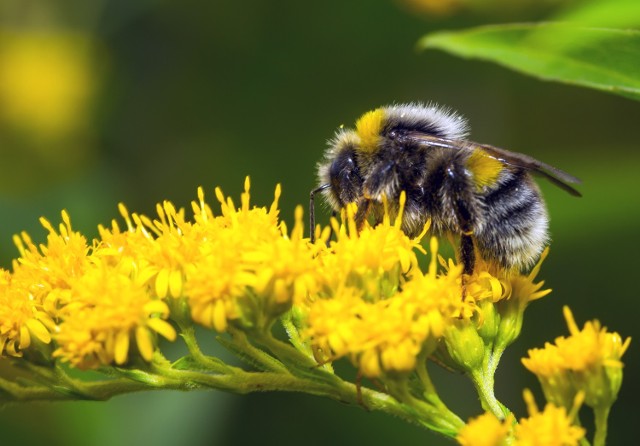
393,134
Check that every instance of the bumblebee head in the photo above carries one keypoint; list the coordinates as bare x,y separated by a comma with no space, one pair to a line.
369,129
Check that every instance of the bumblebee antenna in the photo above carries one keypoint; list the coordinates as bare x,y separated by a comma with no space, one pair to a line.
312,211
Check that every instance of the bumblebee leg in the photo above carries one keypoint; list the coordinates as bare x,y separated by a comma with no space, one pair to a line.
361,214
464,218
467,253
312,211
468,259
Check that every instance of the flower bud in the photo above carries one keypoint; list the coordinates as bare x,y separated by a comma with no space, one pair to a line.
464,345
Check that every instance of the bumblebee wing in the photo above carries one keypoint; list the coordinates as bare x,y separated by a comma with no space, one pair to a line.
558,177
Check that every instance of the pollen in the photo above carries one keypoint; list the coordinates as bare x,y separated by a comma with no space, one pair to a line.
485,169
369,128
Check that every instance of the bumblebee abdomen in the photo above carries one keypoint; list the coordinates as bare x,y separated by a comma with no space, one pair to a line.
514,224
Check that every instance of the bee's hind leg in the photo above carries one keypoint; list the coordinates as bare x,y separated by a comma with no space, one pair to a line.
467,254
464,212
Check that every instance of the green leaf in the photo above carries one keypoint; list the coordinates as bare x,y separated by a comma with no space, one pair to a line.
599,58
609,14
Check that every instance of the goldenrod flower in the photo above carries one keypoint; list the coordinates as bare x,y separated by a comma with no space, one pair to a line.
588,360
490,320
524,288
49,269
259,223
125,249
384,336
45,80
164,247
520,290
377,260
248,267
468,338
554,426
215,282
549,367
108,308
551,427
484,430
383,333
20,318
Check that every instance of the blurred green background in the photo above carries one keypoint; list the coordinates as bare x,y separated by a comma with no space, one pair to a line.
139,101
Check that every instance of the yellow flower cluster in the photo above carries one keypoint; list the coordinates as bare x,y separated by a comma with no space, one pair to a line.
103,301
554,426
379,309
484,430
362,295
589,361
249,268
83,299
384,325
20,318
106,308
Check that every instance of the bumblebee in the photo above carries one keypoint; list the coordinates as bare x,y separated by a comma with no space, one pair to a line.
482,194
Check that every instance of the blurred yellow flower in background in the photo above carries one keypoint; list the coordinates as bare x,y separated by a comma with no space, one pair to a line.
46,81
436,8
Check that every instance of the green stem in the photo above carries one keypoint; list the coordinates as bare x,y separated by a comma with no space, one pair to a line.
93,390
187,332
601,415
484,384
494,359
411,410
298,342
285,352
436,417
241,346
162,376
294,335
431,396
